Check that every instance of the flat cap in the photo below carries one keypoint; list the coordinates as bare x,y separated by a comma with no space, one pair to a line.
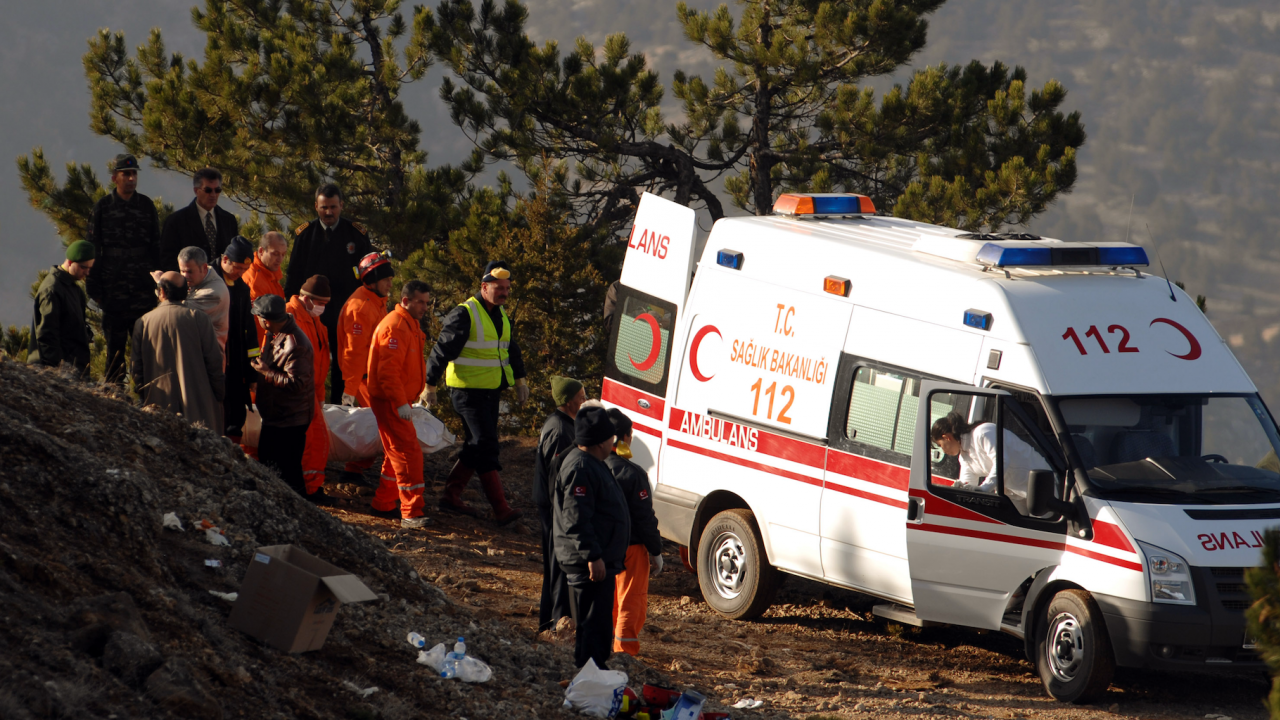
270,308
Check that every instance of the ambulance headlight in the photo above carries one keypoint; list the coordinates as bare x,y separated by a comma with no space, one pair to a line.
1170,576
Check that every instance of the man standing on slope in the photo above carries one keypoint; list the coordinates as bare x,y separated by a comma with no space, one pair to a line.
397,373
360,316
306,308
479,358
177,364
58,330
556,437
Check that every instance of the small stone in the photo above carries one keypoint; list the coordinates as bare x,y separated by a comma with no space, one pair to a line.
860,707
921,697
680,666
494,552
667,638
793,695
1114,708
685,601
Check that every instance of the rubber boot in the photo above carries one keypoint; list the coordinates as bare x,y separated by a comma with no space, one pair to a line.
457,481
502,512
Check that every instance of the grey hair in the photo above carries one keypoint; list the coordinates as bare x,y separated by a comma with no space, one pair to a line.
191,253
265,241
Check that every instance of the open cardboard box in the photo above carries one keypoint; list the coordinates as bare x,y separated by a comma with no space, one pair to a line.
289,598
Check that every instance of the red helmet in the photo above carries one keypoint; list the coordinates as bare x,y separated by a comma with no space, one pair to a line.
371,262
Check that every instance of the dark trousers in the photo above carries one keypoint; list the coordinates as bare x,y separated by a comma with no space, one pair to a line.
281,448
479,412
118,329
236,407
592,605
336,384
555,585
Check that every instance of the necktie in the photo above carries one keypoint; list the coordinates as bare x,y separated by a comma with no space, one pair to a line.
210,232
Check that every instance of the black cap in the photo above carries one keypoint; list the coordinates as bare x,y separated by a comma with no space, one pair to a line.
270,308
592,427
621,423
125,161
239,250
496,265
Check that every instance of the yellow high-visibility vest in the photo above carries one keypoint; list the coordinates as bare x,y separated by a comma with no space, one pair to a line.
485,359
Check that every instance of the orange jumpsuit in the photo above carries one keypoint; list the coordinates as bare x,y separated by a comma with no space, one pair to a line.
316,454
357,321
397,375
263,281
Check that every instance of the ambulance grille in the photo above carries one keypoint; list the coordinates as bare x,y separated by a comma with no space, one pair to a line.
1232,591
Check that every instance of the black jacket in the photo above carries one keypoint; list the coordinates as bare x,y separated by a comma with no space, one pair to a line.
334,255
634,483
183,228
590,518
126,239
242,341
58,330
454,335
556,437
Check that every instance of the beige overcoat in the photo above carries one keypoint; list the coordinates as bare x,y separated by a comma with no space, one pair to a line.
177,364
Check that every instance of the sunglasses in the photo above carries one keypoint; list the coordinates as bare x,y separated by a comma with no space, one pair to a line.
211,190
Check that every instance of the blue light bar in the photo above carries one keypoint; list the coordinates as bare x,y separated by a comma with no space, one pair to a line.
837,204
977,319
1131,256
731,259
1000,256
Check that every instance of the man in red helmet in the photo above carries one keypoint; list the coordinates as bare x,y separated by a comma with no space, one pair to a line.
360,316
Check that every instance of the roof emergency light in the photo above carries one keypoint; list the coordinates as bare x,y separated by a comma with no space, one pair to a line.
798,204
1053,253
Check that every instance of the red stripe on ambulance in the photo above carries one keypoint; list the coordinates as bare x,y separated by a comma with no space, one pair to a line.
1030,542
676,444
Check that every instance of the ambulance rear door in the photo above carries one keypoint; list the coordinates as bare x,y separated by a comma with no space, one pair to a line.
656,273
971,542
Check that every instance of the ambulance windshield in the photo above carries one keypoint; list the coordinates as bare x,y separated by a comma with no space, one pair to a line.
1212,449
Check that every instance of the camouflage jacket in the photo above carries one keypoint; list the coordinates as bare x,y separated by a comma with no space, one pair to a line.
126,236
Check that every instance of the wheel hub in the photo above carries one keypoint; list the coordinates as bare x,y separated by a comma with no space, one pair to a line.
1065,649
728,561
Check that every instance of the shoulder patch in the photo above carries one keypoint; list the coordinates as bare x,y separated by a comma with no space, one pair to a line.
580,491
302,227
359,228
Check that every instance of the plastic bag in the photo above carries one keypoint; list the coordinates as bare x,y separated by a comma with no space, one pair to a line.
353,432
433,658
473,670
596,692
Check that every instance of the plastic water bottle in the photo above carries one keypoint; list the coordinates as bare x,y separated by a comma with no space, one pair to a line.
451,660
417,640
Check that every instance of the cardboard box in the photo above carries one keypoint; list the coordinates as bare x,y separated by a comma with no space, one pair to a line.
290,597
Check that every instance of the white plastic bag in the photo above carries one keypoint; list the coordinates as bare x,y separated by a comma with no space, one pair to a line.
353,432
596,692
473,670
433,658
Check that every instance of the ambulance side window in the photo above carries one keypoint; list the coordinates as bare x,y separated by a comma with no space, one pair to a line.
882,409
640,342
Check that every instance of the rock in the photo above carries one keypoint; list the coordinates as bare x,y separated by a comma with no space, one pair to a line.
681,666
493,552
130,658
175,688
98,617
667,638
686,601
793,696
860,707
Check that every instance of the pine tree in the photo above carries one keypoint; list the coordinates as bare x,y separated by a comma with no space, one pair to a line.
1264,614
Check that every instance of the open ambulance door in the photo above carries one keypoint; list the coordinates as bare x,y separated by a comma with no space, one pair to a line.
971,543
656,273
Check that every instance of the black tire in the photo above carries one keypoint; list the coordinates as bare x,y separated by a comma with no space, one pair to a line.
736,578
1073,651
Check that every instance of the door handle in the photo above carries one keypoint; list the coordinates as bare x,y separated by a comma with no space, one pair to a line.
915,510
644,404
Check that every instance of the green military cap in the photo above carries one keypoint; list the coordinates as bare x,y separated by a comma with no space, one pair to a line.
80,251
125,161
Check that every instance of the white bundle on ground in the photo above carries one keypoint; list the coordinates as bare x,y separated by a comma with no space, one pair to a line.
353,432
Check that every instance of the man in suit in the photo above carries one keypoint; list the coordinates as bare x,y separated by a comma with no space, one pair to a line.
330,245
201,224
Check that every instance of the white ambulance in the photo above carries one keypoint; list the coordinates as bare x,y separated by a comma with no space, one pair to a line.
1104,472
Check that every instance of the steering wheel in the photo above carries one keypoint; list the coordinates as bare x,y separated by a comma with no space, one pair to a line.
1214,457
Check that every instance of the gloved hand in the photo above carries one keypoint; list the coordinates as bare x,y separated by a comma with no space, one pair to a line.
522,391
655,565
348,400
428,397
405,412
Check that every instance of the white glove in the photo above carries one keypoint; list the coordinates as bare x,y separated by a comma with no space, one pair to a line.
522,391
655,565
348,400
405,412
428,397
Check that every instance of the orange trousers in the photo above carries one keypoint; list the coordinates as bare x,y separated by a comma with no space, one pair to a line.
316,455
631,600
359,466
401,463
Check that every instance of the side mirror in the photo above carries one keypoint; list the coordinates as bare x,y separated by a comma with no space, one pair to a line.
1040,496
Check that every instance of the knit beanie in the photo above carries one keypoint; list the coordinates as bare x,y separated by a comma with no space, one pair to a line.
80,251
317,288
621,423
563,389
592,427
238,250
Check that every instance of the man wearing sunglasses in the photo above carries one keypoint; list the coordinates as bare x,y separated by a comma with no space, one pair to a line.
201,224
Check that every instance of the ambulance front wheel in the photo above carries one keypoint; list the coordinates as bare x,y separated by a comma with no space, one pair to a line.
1073,652
735,575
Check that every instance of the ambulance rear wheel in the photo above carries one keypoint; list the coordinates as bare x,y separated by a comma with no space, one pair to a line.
1073,652
735,575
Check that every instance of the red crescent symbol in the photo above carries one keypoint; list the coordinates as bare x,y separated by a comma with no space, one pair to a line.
1194,352
693,351
654,350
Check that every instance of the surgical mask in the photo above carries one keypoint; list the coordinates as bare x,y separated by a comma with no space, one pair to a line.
316,310
623,448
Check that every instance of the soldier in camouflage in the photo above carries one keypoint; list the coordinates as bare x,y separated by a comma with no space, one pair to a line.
125,232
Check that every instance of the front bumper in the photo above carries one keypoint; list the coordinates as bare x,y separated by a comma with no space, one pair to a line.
1207,636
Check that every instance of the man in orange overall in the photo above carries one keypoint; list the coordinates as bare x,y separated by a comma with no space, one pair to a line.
397,375
263,276
359,317
306,308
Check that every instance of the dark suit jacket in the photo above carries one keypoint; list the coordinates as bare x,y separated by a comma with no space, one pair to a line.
334,257
183,228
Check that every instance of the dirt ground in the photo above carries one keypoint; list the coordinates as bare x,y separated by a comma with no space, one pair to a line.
817,651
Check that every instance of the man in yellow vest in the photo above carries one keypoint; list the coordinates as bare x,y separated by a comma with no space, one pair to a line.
478,359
